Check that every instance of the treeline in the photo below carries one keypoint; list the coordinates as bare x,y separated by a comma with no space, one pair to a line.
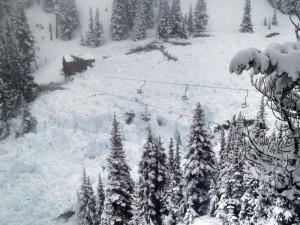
17,52
169,192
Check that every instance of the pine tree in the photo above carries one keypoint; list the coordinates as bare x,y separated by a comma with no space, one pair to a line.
265,22
119,21
91,34
190,22
24,36
231,174
190,215
248,199
139,30
131,12
175,16
171,159
120,185
4,127
48,6
162,31
200,18
99,201
153,177
199,168
86,203
215,190
98,30
274,19
247,26
28,121
68,20
149,14
287,6
138,218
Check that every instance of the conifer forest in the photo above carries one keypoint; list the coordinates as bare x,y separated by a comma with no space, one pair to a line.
150,112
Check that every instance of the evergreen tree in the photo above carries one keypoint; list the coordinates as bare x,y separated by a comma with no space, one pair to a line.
138,218
98,29
68,19
265,22
28,121
199,168
177,166
139,30
48,6
162,30
91,34
269,25
4,127
153,177
119,20
99,201
171,159
190,22
120,185
175,16
248,199
200,18
149,13
231,174
274,19
247,26
131,12
86,203
287,6
24,36
190,215
215,191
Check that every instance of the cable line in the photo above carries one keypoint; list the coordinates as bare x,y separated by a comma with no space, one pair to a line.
144,104
180,84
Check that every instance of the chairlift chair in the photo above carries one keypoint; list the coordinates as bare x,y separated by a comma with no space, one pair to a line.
185,97
146,116
140,91
245,104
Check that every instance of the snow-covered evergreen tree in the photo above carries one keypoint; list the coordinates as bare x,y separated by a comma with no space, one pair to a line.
24,36
175,16
153,177
177,165
120,185
200,18
98,30
171,157
68,19
4,127
274,19
138,218
287,6
86,210
149,13
119,20
162,30
190,22
48,6
91,34
199,167
139,29
215,190
28,121
131,12
99,201
247,26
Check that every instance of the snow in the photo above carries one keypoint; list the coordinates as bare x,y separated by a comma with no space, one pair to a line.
206,220
40,173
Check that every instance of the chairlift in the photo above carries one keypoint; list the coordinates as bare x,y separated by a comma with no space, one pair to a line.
140,91
146,116
185,97
245,104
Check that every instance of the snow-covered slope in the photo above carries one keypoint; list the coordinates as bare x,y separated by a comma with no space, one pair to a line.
41,172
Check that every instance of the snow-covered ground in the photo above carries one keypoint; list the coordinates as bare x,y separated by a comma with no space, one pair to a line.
40,173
